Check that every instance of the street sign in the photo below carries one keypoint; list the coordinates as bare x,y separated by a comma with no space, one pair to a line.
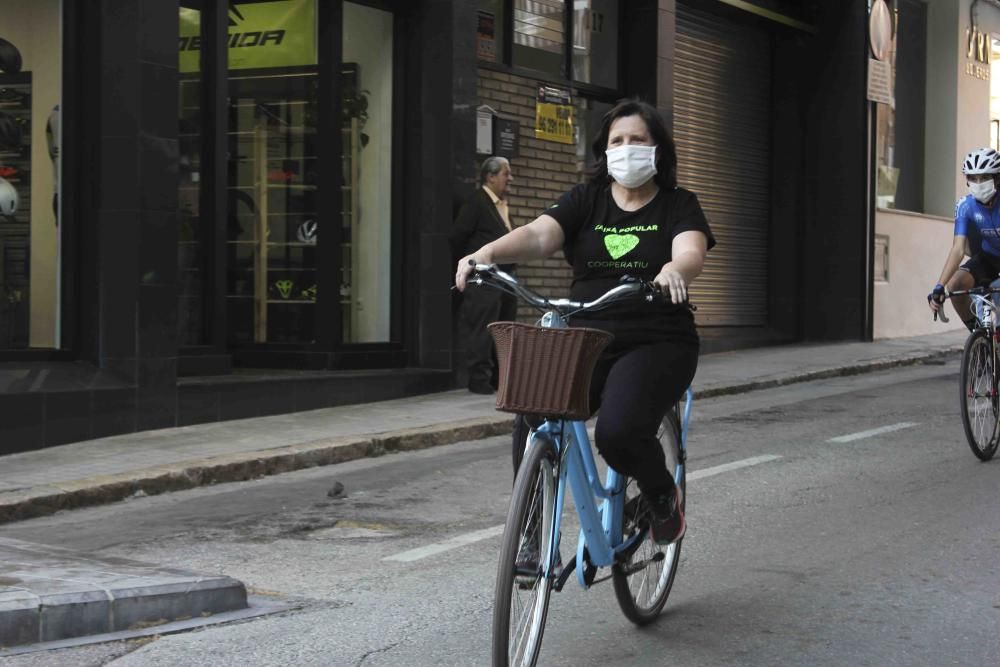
554,115
880,82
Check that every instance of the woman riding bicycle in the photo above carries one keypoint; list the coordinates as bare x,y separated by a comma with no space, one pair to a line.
977,233
629,219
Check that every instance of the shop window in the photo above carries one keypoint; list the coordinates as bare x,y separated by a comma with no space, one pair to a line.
595,42
540,35
30,94
540,30
490,36
366,250
900,128
272,224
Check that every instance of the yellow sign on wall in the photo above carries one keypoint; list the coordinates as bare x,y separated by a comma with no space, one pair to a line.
262,34
554,115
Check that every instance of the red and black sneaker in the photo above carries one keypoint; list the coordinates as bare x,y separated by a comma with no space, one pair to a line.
666,517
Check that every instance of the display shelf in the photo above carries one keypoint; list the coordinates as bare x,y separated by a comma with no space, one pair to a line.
274,162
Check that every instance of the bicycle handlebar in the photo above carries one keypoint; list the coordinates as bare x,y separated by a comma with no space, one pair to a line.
485,273
974,291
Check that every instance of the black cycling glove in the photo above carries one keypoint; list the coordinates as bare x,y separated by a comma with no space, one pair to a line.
937,294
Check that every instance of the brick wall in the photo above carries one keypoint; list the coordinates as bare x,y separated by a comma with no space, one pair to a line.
543,170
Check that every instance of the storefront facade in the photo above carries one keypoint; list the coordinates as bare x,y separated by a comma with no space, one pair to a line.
228,210
258,185
767,105
947,102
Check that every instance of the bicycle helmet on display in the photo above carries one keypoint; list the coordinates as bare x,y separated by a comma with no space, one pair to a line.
10,132
306,233
10,57
8,198
981,161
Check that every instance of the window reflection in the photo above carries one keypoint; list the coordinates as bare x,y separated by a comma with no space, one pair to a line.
595,42
30,145
539,35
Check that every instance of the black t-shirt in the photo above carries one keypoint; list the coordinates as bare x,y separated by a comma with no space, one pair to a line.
605,243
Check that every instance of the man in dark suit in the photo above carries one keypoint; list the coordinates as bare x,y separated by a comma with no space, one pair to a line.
483,218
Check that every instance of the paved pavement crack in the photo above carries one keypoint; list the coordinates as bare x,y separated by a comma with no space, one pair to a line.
384,649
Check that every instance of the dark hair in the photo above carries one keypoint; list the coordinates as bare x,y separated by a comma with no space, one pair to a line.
666,153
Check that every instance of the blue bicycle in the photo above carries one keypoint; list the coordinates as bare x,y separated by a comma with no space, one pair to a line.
542,374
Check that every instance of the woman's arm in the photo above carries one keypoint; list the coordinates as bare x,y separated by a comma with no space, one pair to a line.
536,240
955,255
688,259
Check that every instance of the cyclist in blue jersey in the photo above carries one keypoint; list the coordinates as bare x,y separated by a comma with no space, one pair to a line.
977,234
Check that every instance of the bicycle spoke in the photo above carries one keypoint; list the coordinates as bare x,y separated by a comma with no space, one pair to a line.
522,592
979,396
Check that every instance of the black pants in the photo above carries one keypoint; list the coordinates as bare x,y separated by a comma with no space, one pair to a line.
633,390
482,306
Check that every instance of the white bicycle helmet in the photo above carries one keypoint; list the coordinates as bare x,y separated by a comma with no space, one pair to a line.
306,233
8,198
981,161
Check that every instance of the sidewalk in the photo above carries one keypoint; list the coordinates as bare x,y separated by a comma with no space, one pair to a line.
50,595
109,469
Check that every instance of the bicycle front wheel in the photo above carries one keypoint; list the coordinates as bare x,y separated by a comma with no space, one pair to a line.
978,395
522,591
643,582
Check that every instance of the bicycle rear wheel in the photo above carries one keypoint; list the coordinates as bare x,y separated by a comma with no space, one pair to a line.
522,592
978,395
643,582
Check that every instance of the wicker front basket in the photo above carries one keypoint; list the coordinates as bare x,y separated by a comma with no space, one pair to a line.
546,371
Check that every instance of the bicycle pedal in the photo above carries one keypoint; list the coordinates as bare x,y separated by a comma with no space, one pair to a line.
643,564
564,575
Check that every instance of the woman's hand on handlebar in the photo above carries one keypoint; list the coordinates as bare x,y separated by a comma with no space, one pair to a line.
672,283
466,267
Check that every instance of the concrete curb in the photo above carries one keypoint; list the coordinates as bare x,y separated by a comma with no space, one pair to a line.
39,501
824,373
51,594
42,500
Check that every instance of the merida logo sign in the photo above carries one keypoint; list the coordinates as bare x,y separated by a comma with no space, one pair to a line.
268,34
239,39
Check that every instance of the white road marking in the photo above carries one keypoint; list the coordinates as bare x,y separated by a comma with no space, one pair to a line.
447,545
735,465
496,531
875,431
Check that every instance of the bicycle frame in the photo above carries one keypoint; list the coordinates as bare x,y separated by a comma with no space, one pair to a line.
600,526
984,309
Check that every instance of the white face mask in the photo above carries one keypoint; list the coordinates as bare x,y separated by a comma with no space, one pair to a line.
631,165
982,191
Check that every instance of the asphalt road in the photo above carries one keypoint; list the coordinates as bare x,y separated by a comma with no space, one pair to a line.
841,522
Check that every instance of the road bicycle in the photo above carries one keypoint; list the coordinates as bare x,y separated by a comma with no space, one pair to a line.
545,371
978,396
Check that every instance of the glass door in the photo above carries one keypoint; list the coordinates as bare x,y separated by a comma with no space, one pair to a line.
272,226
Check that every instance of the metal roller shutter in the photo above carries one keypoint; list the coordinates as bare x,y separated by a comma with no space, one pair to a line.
722,89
